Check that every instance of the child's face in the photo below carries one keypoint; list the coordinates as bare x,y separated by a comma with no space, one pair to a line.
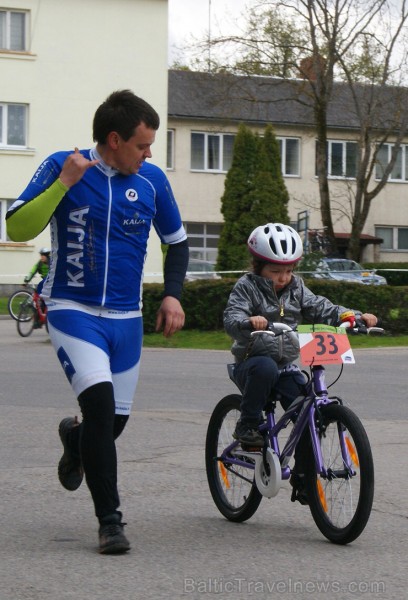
280,275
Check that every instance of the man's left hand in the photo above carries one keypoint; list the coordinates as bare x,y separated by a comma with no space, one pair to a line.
170,316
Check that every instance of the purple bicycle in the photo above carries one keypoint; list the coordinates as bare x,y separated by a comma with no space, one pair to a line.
333,472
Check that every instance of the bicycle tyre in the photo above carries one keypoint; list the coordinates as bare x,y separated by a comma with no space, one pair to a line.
15,301
341,504
236,498
26,318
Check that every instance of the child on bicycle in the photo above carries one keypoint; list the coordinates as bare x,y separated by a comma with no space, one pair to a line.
273,293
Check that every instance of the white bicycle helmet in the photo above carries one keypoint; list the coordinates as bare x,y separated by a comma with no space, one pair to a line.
276,243
45,251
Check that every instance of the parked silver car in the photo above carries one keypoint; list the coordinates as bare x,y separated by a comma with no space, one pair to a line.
344,269
200,269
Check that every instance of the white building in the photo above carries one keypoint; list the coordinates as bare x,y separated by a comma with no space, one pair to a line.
204,113
59,60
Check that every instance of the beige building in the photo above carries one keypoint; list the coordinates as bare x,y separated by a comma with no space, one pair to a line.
204,113
58,61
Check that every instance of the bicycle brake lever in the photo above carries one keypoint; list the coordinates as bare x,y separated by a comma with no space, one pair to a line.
374,330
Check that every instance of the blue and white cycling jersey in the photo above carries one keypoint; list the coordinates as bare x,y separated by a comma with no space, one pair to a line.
100,229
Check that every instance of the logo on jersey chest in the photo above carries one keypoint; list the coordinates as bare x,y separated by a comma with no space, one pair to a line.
131,195
133,223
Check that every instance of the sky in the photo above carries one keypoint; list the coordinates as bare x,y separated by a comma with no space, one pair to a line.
190,19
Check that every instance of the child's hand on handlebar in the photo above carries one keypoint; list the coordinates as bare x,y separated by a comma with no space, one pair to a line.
369,319
258,322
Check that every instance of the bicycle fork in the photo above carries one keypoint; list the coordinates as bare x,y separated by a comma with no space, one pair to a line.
317,429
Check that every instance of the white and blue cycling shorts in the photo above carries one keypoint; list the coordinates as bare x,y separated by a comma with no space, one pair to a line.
95,345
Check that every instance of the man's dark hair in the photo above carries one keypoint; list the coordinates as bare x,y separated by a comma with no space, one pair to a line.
122,112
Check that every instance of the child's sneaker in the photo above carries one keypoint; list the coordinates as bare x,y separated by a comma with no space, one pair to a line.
70,471
299,493
248,436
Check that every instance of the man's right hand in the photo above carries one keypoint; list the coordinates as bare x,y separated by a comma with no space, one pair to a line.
75,167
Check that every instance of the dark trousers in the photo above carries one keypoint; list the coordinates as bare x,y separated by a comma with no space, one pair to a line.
94,442
258,376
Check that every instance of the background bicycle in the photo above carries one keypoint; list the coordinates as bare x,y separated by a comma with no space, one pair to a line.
333,472
32,315
17,298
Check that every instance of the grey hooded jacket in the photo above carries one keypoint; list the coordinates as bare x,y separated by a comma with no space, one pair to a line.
254,295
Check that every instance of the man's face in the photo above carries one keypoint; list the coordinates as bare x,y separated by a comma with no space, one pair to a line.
130,155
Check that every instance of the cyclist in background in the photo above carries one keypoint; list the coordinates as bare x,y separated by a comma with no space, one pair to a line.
41,267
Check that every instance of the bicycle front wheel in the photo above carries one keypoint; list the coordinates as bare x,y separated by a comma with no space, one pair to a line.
341,501
15,301
232,487
26,318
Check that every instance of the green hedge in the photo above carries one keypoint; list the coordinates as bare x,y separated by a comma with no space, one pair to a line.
204,302
395,273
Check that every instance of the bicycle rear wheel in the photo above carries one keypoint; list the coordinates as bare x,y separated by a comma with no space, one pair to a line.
26,318
341,502
232,487
15,301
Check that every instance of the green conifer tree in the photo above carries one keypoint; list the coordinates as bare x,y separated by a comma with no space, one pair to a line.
254,194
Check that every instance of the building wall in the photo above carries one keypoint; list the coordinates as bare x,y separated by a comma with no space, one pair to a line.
79,53
199,193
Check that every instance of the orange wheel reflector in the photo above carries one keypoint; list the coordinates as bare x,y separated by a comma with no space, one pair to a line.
224,475
352,452
322,495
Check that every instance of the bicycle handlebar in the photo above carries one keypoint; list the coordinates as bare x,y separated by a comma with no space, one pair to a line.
276,329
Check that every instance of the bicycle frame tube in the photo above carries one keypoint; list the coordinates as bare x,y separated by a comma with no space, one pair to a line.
306,409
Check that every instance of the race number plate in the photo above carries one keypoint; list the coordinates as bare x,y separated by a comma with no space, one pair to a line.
322,345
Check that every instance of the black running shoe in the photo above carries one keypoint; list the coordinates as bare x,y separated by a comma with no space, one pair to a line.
299,493
112,539
248,436
70,471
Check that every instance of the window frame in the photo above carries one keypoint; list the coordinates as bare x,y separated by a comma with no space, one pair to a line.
4,126
403,153
5,204
282,140
222,168
204,252
7,29
344,159
171,136
395,230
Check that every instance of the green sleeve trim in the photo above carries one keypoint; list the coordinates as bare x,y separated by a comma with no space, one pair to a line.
32,218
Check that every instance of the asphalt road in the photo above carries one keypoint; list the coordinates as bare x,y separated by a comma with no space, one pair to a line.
181,546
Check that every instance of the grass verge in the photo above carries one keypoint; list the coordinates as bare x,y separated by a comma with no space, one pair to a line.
219,340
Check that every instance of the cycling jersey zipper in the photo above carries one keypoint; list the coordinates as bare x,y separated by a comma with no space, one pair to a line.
105,279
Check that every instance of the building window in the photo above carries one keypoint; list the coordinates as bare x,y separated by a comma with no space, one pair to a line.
394,238
289,149
342,159
13,28
400,169
203,240
4,206
13,124
211,151
170,149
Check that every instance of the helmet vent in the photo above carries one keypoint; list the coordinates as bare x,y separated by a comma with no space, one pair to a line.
272,245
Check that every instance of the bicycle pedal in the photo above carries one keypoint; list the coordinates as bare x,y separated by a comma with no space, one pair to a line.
247,448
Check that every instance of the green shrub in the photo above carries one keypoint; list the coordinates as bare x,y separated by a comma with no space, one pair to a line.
395,273
204,302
